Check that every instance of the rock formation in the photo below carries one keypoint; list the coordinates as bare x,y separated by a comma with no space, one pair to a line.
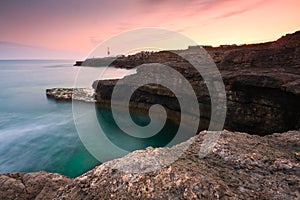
68,94
240,166
262,84
263,95
37,185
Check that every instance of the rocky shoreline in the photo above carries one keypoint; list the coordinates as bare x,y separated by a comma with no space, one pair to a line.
262,83
69,94
240,166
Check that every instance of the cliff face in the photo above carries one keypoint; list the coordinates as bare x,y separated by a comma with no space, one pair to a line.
240,166
263,90
262,85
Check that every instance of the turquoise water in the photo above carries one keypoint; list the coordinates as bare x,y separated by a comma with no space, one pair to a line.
37,133
117,137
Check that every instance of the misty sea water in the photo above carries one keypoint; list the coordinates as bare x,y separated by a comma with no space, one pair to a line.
39,134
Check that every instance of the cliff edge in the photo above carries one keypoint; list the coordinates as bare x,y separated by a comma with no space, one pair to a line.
262,83
240,166
263,97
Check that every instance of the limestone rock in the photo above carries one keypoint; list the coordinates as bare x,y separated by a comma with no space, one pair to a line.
240,166
69,94
37,185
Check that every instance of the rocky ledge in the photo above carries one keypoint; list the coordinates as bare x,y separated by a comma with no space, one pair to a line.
240,166
68,94
262,83
263,97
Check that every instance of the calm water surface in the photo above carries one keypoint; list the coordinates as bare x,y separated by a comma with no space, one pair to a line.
39,134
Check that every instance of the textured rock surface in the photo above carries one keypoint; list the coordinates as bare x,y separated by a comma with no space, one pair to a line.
38,185
241,166
68,94
262,84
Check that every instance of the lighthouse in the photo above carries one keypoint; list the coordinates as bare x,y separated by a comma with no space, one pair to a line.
108,52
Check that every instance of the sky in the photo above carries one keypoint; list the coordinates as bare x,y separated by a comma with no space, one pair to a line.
72,28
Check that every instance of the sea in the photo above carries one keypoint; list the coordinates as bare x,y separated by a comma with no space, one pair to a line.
39,134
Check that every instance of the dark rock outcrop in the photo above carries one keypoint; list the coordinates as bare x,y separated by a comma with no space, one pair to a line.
98,61
78,63
262,84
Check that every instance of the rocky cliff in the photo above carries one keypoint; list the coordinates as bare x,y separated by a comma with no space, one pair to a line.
262,84
240,166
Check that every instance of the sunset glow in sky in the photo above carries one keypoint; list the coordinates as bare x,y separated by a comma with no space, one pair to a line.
75,27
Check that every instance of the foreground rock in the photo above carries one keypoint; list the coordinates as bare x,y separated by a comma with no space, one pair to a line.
240,166
39,185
